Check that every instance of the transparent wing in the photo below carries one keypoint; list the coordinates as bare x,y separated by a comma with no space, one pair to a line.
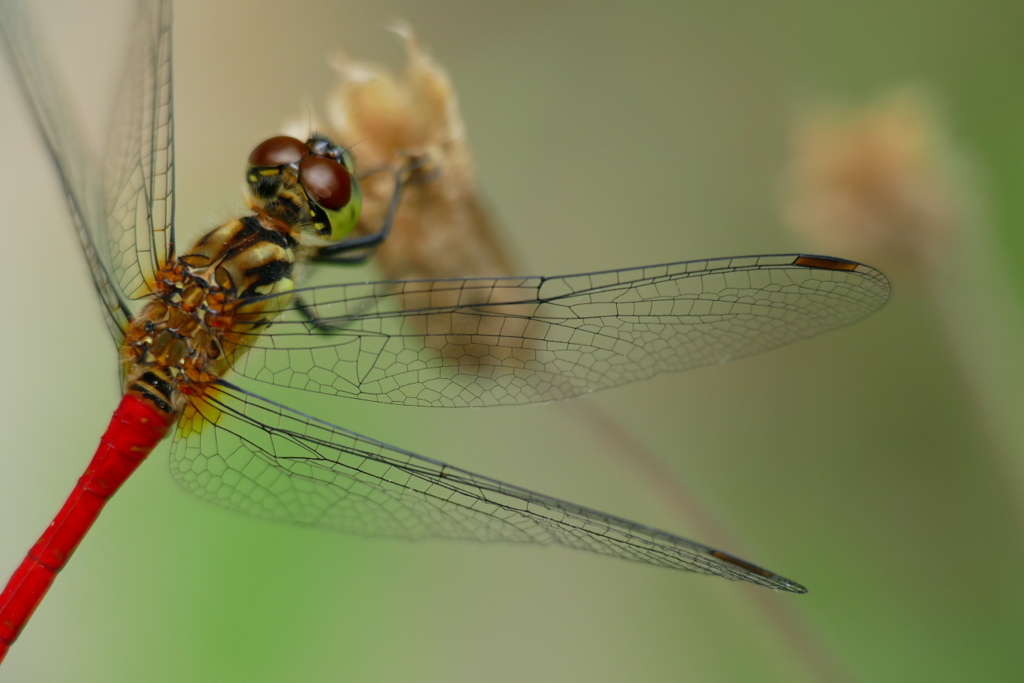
481,342
249,454
139,171
77,168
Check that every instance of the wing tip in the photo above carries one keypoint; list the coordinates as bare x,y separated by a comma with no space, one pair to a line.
767,578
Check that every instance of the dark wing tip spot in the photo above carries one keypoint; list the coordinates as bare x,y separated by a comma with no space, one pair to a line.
779,581
825,263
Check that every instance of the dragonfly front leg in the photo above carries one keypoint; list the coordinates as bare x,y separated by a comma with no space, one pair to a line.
341,253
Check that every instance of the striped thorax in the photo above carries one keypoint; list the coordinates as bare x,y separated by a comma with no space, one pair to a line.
303,196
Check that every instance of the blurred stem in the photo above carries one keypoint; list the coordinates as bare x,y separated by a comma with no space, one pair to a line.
983,320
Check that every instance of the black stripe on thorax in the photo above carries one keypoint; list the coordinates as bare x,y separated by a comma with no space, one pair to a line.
253,230
268,273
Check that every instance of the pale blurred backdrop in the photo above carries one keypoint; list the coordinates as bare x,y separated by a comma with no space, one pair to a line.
864,464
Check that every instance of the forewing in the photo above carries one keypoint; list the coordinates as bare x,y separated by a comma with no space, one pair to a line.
139,171
77,167
249,454
482,342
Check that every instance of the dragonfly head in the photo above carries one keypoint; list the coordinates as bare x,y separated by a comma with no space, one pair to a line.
306,184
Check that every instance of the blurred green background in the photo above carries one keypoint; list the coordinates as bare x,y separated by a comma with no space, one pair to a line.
870,464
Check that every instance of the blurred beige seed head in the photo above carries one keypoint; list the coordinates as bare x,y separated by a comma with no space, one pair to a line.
876,183
442,229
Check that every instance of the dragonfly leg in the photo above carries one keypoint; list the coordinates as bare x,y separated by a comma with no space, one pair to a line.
322,325
340,254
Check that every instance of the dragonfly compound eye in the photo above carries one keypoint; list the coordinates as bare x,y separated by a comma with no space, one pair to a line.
263,172
277,151
332,189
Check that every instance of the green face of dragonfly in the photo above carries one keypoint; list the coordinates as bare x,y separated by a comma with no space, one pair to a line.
282,167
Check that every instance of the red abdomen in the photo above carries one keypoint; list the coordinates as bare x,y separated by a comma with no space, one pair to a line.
135,429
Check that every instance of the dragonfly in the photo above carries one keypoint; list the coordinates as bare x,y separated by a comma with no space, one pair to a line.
204,331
